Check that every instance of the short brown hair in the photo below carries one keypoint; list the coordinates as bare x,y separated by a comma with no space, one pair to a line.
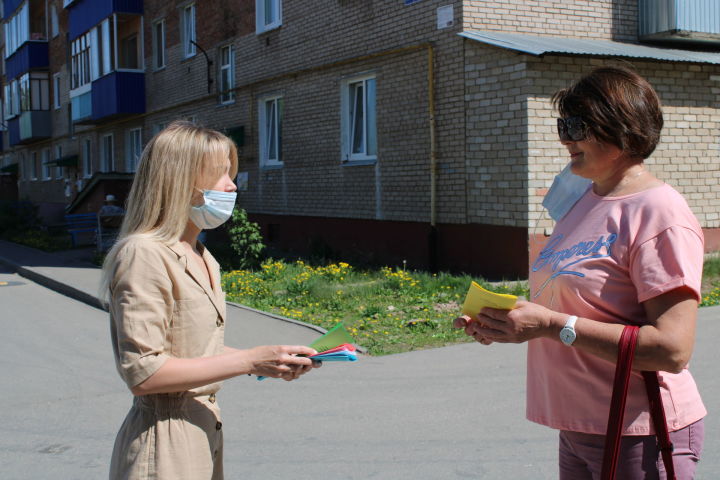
618,106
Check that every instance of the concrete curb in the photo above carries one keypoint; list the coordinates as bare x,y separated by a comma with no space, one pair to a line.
278,317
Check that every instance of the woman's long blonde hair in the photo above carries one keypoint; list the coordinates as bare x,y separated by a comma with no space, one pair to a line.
172,164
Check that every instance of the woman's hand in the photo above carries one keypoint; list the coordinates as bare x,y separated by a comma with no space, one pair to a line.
281,361
524,322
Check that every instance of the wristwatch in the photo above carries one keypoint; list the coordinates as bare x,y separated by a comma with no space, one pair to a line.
567,334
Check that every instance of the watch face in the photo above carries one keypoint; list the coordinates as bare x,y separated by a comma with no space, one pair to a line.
567,335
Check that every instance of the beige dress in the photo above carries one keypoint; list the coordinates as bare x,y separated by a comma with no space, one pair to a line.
161,306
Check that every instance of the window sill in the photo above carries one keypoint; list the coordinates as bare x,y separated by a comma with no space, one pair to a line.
268,29
225,104
159,69
358,163
276,166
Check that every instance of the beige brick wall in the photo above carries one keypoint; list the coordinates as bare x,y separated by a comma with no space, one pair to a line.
688,155
598,19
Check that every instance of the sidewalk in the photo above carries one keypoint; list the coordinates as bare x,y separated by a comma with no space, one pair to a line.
73,274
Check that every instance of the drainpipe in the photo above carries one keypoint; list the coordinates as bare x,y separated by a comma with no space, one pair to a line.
432,237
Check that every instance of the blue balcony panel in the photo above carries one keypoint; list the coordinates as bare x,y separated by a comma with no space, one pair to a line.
81,107
30,127
85,14
13,131
10,6
31,55
118,94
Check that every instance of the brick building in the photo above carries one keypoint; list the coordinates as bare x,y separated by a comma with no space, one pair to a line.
385,130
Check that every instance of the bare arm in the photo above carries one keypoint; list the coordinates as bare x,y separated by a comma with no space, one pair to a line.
665,344
180,374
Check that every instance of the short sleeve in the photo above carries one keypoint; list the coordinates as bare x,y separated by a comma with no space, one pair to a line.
670,260
140,308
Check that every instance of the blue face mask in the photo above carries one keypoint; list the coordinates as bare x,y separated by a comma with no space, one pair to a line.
566,190
216,210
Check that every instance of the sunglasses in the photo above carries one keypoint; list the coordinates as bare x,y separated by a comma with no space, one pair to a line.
571,129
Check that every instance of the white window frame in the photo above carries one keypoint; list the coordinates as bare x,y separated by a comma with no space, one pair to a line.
44,159
227,94
56,91
107,155
59,171
158,45
54,24
188,32
87,169
133,148
264,125
262,22
368,153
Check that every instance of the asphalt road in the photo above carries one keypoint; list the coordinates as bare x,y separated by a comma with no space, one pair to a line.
448,413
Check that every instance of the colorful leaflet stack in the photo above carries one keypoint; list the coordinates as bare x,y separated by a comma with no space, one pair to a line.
341,353
334,346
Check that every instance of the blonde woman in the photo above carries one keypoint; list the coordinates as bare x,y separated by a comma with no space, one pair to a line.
167,310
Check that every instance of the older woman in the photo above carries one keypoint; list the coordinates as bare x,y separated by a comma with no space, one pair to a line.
167,311
628,252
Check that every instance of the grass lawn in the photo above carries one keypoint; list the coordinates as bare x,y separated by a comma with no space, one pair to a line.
386,311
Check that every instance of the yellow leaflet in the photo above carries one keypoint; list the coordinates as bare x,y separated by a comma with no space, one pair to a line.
477,298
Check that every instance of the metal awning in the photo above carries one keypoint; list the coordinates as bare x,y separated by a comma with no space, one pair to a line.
12,168
537,45
66,161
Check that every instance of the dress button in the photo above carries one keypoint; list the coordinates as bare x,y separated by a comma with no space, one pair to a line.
212,398
218,425
218,323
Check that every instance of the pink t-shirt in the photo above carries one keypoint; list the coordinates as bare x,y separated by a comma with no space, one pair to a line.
604,258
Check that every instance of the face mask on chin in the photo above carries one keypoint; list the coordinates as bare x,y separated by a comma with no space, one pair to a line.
566,190
216,209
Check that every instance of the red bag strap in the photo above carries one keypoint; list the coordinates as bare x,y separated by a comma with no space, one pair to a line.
652,386
626,351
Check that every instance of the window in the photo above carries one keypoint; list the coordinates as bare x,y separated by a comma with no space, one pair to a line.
129,53
107,153
159,44
227,75
359,128
188,30
56,91
271,114
86,159
33,166
45,159
30,91
133,149
59,171
54,28
159,127
268,15
17,30
80,61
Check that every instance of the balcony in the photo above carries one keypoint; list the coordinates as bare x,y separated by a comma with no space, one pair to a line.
680,22
30,56
30,127
81,107
85,14
9,7
118,94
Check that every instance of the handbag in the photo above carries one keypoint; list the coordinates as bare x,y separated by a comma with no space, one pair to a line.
626,350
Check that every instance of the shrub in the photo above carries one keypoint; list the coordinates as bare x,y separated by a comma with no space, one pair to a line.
245,239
